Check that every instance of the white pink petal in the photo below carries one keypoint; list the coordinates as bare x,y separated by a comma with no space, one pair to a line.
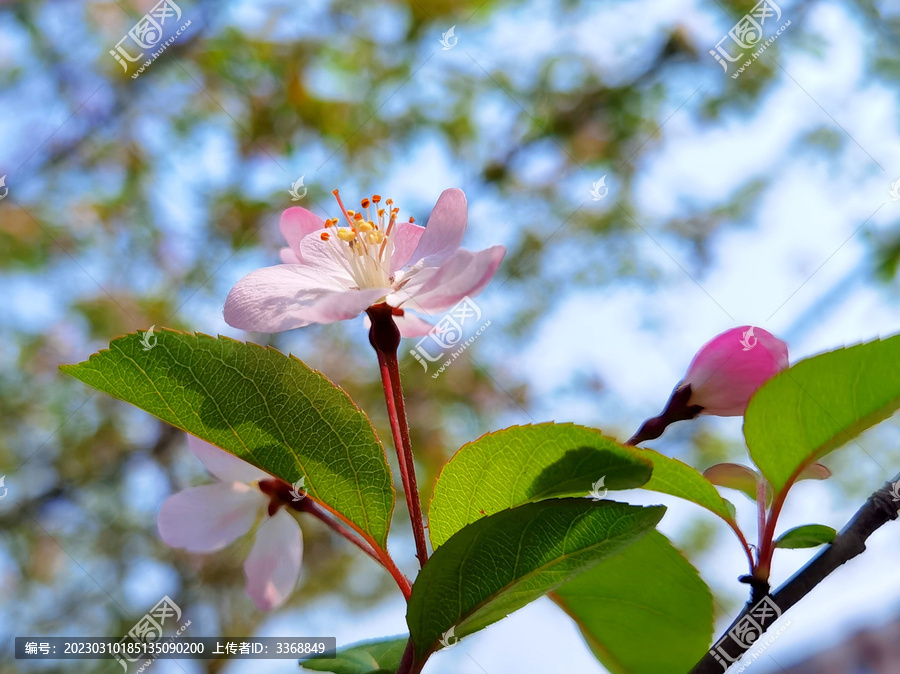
209,517
273,565
445,229
273,299
406,239
464,273
295,224
224,465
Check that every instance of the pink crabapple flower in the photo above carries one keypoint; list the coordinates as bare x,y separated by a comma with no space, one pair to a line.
332,273
721,378
209,517
730,368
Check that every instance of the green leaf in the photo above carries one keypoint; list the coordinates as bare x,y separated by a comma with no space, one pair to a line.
363,658
643,610
671,476
819,404
528,463
806,536
500,563
262,406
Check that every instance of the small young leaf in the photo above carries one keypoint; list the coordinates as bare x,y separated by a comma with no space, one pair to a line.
643,610
806,536
671,476
364,658
814,471
819,404
528,463
500,563
262,406
744,480
734,476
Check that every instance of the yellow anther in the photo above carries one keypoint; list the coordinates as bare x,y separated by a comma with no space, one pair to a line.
375,237
364,226
346,234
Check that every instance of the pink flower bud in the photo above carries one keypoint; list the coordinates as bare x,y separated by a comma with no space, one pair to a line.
729,369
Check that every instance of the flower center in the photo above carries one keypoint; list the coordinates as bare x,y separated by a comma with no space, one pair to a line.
365,243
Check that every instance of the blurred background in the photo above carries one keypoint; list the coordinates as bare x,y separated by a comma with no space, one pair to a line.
129,202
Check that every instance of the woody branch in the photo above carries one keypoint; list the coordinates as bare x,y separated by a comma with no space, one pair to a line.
879,508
